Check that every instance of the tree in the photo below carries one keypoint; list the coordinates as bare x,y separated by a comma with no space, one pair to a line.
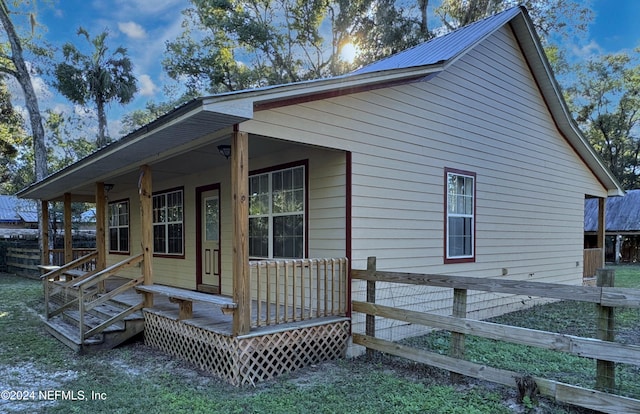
61,151
66,150
12,135
550,17
606,102
381,28
238,44
99,78
152,111
13,63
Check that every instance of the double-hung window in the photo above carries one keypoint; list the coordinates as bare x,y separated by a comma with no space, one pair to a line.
460,216
168,223
119,227
277,213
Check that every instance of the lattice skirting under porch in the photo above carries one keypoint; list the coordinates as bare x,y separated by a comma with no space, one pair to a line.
251,358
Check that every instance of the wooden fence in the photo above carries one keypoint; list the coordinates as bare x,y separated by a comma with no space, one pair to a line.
23,261
57,257
606,353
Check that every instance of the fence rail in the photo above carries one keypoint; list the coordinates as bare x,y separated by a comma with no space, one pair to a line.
26,260
57,257
602,349
23,261
295,290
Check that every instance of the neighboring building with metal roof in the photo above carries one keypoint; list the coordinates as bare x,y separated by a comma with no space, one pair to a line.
17,213
622,226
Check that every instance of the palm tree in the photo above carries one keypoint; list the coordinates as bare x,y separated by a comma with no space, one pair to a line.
97,78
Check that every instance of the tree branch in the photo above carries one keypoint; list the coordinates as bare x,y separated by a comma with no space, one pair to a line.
8,71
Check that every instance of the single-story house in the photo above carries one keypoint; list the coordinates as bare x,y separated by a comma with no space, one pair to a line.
458,156
622,227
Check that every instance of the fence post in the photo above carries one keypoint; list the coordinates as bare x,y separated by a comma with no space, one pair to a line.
605,370
370,326
456,349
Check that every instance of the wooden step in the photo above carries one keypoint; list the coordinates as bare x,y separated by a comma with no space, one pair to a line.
90,320
65,327
69,334
113,308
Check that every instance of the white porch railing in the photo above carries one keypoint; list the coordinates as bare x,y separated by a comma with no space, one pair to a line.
298,289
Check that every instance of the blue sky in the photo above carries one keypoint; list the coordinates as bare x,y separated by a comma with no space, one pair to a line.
616,25
143,27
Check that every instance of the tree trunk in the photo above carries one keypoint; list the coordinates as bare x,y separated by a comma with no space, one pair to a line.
21,73
103,139
423,5
31,101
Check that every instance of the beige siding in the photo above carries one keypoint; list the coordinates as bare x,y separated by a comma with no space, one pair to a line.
483,114
327,206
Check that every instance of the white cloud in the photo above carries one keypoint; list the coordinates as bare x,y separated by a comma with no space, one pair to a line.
584,52
132,30
147,87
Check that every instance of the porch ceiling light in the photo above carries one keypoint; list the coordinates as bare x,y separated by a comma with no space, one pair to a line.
225,150
108,187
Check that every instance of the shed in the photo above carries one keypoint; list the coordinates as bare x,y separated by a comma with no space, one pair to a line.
457,157
622,227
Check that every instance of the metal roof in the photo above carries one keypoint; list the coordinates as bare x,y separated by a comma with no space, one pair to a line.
12,209
444,48
622,214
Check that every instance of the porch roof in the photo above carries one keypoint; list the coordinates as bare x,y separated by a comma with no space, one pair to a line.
167,135
191,126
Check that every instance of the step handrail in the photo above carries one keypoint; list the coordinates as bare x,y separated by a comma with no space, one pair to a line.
67,266
102,275
109,271
55,274
116,318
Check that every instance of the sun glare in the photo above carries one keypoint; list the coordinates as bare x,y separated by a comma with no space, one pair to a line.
348,52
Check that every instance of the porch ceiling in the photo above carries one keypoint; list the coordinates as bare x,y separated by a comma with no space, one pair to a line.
181,144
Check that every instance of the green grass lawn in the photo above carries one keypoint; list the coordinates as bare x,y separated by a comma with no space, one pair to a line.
137,379
571,318
627,276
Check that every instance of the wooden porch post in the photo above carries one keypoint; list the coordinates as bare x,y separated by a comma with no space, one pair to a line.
44,233
68,236
601,228
101,242
146,219
240,208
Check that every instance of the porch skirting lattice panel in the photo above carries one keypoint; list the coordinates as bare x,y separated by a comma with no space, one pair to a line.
252,358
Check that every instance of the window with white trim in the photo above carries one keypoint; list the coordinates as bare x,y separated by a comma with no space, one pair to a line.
460,215
119,227
277,213
168,224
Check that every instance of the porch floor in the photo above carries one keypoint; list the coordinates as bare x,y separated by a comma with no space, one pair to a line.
209,316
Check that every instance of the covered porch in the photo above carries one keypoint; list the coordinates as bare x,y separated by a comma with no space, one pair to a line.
594,247
241,317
